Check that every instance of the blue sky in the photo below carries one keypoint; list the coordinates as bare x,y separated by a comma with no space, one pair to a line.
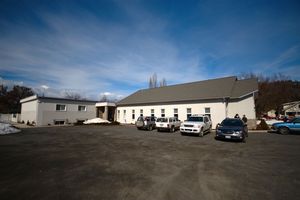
113,47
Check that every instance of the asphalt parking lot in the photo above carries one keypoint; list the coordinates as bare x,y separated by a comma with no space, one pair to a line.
120,162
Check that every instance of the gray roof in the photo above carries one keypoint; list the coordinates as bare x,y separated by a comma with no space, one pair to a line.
55,99
228,87
244,87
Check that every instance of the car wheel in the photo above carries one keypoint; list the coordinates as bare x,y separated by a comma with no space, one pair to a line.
244,140
201,133
172,129
158,130
284,130
210,129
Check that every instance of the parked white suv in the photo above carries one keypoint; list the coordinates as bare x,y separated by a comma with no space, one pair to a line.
167,123
196,124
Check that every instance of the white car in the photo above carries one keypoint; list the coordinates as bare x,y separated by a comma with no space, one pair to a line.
196,124
167,123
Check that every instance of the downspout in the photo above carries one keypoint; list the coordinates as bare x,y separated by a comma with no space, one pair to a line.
225,100
37,121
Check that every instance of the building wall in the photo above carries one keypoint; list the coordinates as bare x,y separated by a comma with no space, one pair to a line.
245,106
217,111
29,111
47,113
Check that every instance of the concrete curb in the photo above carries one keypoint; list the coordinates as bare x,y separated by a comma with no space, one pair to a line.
257,131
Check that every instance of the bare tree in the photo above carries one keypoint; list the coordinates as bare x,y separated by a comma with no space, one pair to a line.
163,82
72,95
153,81
103,98
264,78
150,82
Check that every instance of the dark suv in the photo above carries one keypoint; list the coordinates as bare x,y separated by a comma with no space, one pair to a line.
147,123
232,129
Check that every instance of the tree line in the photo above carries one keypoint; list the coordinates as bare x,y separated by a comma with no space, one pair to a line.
10,99
273,91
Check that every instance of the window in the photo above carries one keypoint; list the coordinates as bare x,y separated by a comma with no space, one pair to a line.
124,114
205,119
141,112
60,107
162,120
118,115
188,112
162,112
195,119
207,111
152,113
291,113
81,108
59,122
176,112
133,114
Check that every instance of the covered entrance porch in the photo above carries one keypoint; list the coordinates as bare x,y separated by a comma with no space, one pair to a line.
106,110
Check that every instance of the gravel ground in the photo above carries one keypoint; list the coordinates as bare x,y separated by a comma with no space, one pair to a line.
120,162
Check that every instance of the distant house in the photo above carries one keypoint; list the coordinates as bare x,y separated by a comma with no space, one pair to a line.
55,111
218,98
292,108
271,113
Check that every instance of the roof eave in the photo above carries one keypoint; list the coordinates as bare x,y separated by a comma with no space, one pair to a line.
245,95
171,102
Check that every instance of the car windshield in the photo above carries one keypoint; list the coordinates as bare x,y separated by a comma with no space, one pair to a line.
195,119
140,118
162,120
232,122
296,119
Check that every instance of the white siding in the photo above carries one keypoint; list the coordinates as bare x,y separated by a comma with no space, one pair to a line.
29,111
245,106
217,111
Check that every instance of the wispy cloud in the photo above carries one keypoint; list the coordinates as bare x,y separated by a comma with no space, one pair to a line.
284,59
286,62
89,54
10,83
93,51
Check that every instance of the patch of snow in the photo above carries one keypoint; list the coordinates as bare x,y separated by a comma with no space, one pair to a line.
272,121
7,129
96,121
269,122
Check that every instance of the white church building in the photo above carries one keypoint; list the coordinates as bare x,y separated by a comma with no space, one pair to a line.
218,98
